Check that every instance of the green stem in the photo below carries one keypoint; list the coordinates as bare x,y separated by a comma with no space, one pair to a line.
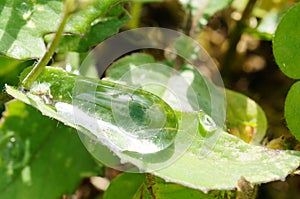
135,13
235,36
38,68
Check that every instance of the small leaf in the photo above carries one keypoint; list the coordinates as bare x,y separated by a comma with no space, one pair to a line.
246,117
127,184
36,153
267,26
292,110
286,43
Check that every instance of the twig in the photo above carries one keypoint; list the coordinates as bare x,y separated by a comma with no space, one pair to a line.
135,12
235,37
196,19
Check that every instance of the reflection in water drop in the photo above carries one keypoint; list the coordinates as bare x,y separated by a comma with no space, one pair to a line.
148,124
207,122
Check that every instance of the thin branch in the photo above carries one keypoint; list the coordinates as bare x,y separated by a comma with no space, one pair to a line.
197,18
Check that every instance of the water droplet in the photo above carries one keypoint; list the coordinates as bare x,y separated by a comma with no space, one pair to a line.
207,122
124,119
25,10
14,154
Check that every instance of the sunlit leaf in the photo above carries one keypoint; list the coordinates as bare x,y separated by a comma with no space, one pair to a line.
267,26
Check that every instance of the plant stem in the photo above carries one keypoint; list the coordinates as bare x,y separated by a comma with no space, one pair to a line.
196,19
135,12
38,68
235,36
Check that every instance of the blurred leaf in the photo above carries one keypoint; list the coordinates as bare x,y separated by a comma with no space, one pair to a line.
10,70
136,186
127,184
292,110
210,9
23,24
245,116
127,63
145,1
286,43
98,31
36,153
201,94
267,26
215,160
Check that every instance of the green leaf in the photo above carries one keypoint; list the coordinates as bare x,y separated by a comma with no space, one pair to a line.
99,31
36,153
127,184
215,160
292,110
245,118
145,1
210,9
23,23
122,66
10,70
138,186
286,43
267,26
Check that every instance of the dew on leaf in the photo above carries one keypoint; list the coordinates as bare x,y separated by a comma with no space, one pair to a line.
128,121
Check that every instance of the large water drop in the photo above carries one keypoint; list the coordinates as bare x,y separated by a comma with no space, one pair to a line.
122,118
